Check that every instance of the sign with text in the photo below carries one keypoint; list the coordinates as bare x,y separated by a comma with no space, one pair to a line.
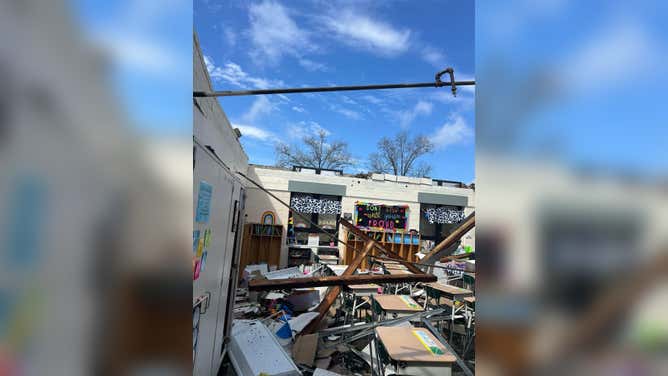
381,217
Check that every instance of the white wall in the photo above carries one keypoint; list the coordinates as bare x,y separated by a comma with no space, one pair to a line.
380,189
210,124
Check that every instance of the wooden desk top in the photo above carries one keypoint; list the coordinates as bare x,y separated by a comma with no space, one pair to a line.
470,299
406,344
450,290
398,303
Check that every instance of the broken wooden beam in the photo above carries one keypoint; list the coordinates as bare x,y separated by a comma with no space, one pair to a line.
359,233
334,291
343,280
461,230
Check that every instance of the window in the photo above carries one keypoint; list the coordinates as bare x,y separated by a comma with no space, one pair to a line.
322,210
438,221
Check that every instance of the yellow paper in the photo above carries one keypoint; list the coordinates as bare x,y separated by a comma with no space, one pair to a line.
200,247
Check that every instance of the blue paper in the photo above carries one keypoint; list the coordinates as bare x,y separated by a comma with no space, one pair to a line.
195,240
202,263
284,332
203,202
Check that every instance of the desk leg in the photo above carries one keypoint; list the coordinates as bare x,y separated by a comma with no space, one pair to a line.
452,319
354,305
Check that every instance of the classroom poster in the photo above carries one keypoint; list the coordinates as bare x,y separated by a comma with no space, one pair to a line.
203,202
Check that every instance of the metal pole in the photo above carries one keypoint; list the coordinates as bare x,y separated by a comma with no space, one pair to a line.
438,335
236,93
437,83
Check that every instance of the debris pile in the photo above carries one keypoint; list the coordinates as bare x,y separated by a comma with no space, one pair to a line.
325,319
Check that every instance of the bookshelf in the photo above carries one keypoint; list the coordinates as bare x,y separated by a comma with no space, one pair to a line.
405,243
261,243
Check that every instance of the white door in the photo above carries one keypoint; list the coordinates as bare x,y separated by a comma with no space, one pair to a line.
213,243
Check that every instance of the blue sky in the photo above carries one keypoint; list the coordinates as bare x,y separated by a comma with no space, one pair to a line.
260,44
603,106
148,47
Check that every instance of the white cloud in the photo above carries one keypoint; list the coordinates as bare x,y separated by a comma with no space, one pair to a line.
346,99
298,109
421,108
147,56
433,56
615,54
305,128
454,131
261,106
372,99
254,132
274,33
234,74
363,32
350,114
312,65
465,101
230,37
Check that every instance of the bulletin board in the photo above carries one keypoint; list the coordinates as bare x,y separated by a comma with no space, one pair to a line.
381,217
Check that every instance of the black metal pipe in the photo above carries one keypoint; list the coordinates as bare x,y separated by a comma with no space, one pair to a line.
437,334
234,93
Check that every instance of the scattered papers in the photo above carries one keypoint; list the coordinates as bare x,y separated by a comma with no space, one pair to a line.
274,295
299,323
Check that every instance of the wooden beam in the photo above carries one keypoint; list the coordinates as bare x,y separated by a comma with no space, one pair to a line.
358,279
359,233
457,257
334,291
418,263
461,230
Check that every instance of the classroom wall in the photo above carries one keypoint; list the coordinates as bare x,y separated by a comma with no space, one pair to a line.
379,189
210,124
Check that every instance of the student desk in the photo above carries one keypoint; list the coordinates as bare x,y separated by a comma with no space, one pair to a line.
356,296
395,306
413,351
452,296
398,270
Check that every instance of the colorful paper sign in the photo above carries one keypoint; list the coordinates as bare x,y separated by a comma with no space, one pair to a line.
207,237
203,202
410,303
202,262
200,248
428,343
195,240
382,217
196,271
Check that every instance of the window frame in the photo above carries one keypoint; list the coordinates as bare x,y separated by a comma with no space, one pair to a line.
438,227
313,217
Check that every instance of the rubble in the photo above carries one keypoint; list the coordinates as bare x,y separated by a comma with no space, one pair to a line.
295,315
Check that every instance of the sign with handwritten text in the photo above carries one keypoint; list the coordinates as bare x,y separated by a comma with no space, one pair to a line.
381,217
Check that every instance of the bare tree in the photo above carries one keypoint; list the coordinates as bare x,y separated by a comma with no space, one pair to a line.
316,152
398,156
